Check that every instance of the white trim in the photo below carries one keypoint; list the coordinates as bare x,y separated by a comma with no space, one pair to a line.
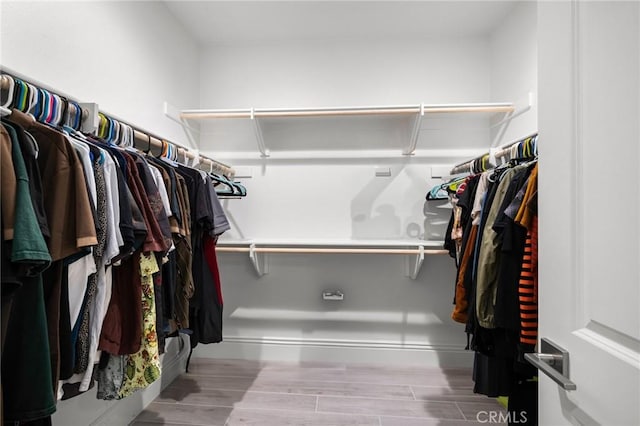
580,283
343,343
623,347
340,351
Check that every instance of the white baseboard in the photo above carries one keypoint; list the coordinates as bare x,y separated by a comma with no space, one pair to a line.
86,409
341,351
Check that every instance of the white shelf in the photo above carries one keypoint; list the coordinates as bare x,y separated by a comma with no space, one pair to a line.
413,250
327,243
390,127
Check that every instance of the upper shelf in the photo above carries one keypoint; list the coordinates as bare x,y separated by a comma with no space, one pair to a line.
394,127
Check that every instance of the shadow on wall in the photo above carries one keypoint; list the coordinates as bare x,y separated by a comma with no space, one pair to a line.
436,219
383,224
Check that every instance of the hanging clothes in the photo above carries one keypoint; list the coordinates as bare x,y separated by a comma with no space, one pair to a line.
496,280
123,241
27,376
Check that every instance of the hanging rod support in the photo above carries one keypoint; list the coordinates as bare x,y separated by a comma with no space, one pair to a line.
414,258
258,260
415,132
516,112
257,129
417,264
173,114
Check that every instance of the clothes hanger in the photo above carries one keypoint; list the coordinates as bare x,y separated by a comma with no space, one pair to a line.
128,138
55,111
162,148
20,95
102,129
236,189
128,135
437,194
50,105
39,107
33,98
78,117
10,89
109,130
71,114
45,107
196,158
64,106
148,145
17,95
241,188
221,179
166,153
117,133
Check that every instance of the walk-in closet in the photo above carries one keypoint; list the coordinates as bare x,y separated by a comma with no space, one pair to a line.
320,212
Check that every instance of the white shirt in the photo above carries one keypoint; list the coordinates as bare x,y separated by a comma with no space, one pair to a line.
80,270
114,236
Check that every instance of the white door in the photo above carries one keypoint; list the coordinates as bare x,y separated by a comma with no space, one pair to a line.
589,215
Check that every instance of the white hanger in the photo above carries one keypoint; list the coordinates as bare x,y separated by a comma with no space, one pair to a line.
12,85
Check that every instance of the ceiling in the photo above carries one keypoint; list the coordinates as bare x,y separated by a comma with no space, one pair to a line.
249,22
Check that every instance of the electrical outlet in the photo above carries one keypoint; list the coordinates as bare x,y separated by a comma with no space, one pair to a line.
333,295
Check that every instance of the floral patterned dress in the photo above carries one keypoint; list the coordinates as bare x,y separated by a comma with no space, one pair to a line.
143,367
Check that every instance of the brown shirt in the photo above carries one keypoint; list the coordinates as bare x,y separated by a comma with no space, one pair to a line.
154,241
8,185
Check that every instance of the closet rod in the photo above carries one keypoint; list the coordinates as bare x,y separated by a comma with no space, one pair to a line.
345,111
142,136
143,141
503,151
300,250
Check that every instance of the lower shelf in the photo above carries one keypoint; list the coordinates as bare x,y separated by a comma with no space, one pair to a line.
414,250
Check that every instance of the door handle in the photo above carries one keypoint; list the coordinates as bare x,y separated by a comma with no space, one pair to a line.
554,362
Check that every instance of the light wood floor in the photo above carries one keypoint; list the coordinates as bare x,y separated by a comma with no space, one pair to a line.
235,392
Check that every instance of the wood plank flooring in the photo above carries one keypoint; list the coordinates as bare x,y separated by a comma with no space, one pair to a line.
238,392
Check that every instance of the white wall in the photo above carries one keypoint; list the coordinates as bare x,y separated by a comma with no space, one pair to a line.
332,199
129,57
340,73
514,70
345,73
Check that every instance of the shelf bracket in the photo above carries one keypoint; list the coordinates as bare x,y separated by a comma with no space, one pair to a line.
415,132
264,152
173,114
412,272
520,109
259,261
